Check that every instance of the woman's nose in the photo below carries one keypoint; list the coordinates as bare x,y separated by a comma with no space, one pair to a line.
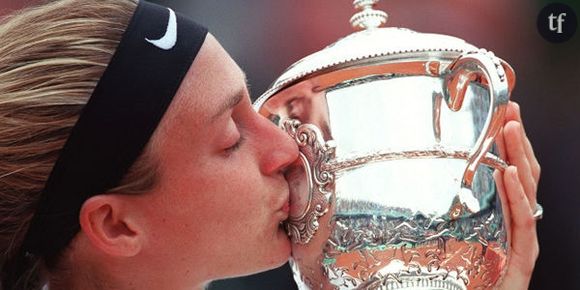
279,150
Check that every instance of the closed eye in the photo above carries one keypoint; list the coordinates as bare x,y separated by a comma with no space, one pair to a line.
235,147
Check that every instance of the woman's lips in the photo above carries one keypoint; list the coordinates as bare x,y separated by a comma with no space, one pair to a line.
286,207
283,212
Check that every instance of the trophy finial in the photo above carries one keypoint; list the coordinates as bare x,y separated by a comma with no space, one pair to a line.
368,17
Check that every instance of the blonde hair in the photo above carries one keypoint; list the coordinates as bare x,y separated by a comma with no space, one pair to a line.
51,58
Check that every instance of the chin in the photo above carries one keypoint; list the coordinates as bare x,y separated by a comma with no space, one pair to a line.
281,249
273,258
273,250
270,255
285,241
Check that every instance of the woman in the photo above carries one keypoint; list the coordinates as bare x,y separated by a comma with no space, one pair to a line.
131,157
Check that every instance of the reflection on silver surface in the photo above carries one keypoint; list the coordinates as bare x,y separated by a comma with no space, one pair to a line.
395,184
389,218
469,67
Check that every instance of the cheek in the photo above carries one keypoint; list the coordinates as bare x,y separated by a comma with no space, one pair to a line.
239,207
216,190
220,215
219,196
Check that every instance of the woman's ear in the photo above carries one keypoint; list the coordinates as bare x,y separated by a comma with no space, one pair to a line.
111,226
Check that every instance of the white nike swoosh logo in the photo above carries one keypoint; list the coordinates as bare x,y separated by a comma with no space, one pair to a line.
168,40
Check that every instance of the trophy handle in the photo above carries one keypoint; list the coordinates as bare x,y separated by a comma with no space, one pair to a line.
314,154
482,67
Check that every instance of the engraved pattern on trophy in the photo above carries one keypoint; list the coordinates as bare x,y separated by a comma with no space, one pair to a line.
314,153
414,250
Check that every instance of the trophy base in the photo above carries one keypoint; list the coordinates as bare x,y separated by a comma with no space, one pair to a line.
418,284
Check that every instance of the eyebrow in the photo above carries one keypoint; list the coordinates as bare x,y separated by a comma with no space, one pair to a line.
231,101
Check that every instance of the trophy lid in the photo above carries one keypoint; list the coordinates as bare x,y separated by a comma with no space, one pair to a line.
373,45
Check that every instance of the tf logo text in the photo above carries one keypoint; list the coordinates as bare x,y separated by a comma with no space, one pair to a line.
557,22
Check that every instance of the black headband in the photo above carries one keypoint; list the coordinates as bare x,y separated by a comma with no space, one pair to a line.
126,106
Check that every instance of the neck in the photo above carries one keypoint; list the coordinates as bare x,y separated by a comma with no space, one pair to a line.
74,272
85,268
83,278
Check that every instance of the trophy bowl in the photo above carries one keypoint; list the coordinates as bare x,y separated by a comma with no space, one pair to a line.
394,187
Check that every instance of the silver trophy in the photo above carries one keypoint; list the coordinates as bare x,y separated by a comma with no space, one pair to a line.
395,184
